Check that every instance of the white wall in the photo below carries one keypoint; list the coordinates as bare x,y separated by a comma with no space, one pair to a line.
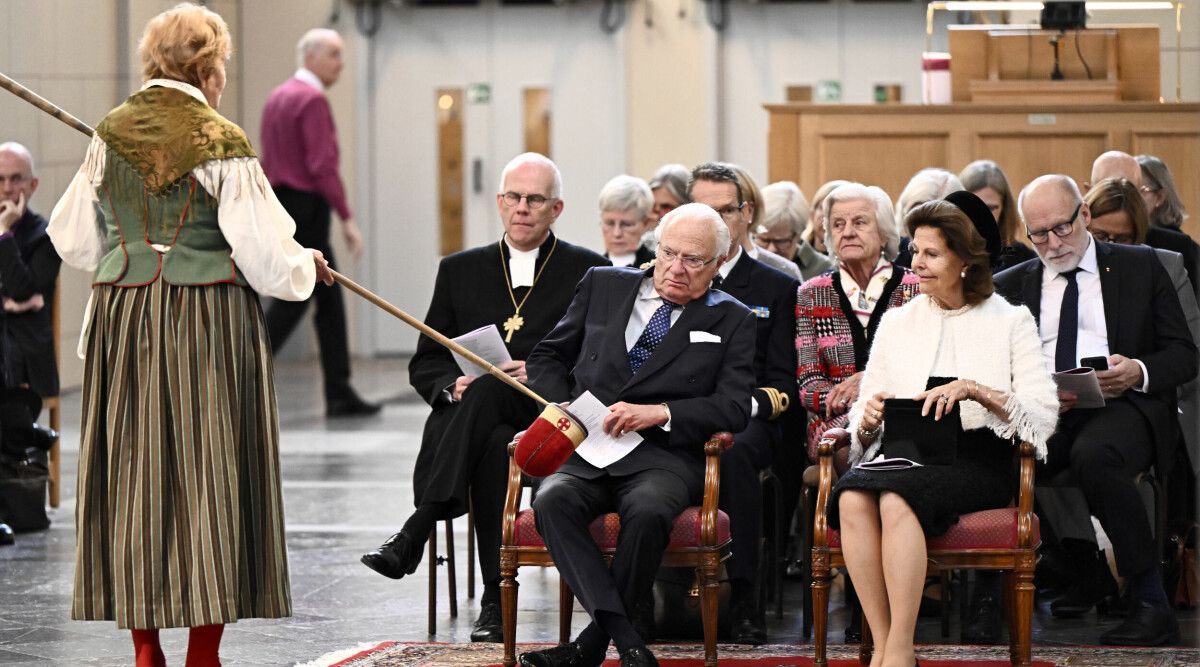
419,50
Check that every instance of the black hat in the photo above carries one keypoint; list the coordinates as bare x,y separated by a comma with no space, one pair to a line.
982,218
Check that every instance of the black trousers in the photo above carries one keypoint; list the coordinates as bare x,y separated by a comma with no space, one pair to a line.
1106,448
741,496
312,216
647,502
471,457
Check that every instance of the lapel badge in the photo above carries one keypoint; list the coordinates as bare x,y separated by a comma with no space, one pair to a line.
761,311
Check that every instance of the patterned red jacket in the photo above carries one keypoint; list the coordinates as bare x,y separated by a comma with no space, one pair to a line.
831,345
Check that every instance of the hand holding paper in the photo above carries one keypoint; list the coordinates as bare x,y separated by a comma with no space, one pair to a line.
600,449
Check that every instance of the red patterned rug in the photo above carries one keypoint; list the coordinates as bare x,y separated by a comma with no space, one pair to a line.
396,654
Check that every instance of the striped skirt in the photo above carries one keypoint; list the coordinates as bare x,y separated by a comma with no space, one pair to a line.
179,518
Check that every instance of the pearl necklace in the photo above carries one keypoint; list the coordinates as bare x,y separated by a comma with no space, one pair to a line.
943,313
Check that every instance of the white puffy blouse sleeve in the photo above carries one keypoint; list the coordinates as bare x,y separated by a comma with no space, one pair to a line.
258,229
73,227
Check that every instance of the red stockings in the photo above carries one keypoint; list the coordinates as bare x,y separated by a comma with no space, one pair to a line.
146,651
203,644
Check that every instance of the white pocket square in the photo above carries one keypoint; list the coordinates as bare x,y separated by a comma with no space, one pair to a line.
704,337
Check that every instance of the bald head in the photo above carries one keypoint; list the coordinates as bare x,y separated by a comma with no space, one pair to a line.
16,172
1116,164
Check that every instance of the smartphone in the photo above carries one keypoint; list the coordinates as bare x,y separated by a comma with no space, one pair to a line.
1098,363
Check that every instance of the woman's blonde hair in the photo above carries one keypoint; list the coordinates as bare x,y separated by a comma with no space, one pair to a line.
184,43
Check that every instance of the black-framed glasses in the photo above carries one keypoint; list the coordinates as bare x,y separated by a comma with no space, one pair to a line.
1060,230
730,213
1105,237
693,263
534,201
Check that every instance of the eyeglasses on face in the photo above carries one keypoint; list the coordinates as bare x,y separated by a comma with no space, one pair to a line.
691,263
1105,237
613,224
765,241
534,201
1060,230
1146,189
731,213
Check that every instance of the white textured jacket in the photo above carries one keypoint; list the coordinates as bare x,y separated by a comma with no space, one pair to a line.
997,345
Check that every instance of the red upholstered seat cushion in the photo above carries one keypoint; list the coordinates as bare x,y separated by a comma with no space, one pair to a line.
686,532
990,529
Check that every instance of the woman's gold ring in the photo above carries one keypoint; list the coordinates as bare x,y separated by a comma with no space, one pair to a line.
876,413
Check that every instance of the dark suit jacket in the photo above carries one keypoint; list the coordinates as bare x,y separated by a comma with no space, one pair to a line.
29,265
706,385
470,292
1145,322
1170,239
771,296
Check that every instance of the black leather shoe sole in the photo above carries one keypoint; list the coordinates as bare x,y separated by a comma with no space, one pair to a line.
355,408
6,535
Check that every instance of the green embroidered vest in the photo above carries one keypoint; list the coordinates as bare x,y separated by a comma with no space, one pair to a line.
149,196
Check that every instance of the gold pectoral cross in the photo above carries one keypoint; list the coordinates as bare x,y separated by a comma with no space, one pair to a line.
512,324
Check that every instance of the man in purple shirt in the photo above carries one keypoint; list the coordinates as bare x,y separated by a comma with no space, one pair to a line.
299,153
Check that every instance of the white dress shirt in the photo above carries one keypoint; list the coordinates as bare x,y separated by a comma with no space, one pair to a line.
1092,339
648,300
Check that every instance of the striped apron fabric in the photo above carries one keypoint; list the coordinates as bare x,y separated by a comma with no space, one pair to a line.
180,514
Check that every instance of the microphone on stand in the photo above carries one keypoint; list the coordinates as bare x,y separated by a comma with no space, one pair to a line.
1057,74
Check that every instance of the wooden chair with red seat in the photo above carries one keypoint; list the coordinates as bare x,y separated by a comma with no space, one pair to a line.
1003,539
700,539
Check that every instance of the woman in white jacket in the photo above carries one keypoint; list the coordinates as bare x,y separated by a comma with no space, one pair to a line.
954,345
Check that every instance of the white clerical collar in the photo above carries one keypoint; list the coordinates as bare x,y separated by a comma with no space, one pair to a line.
727,267
177,85
624,260
520,264
1088,263
308,77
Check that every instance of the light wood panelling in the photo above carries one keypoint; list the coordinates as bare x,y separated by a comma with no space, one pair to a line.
885,145
537,121
450,169
988,52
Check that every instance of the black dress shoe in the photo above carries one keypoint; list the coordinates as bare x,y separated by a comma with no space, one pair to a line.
563,655
396,557
6,535
350,406
638,657
984,621
489,627
43,437
1092,582
1146,625
744,628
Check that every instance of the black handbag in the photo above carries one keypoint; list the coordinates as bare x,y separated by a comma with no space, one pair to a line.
921,439
23,481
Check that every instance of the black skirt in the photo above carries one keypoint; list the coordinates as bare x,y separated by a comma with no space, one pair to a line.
982,477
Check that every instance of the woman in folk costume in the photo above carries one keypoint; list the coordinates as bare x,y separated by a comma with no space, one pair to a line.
179,517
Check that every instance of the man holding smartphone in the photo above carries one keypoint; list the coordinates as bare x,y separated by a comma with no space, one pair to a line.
1117,303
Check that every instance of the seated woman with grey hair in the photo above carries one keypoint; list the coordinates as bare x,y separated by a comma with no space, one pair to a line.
1158,191
668,186
925,186
785,216
625,211
837,312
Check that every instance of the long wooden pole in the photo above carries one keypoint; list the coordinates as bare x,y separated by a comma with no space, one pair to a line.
41,103
429,331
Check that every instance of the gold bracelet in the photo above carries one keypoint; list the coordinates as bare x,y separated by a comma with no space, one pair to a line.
862,433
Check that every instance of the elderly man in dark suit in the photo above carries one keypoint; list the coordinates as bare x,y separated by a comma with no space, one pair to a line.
673,360
1096,299
522,284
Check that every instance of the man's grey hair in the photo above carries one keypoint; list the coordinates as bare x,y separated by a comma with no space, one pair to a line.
627,193
18,149
702,213
885,218
312,41
1064,183
536,158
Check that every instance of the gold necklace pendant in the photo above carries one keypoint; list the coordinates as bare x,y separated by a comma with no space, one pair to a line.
512,324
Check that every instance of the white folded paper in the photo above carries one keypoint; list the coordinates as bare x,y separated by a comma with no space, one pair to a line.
599,448
485,342
1083,383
